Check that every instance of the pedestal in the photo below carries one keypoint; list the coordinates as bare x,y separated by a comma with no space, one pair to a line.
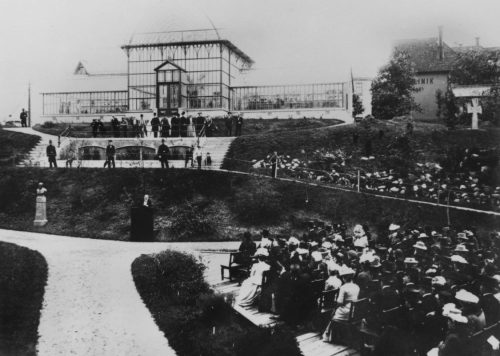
141,228
41,212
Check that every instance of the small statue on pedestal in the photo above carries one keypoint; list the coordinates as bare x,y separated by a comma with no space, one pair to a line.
41,206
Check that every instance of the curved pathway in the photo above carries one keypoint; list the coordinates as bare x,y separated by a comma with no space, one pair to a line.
91,305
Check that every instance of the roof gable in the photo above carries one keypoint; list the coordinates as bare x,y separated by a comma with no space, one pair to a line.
424,53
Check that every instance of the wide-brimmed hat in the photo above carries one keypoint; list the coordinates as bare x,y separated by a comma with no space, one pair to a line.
438,280
420,245
461,248
455,314
458,259
394,227
344,271
466,296
423,235
293,241
411,260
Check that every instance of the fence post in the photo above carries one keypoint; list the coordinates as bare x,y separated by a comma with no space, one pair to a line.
358,180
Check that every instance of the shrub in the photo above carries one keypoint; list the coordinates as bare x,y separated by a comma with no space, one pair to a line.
180,276
48,124
192,220
258,202
22,282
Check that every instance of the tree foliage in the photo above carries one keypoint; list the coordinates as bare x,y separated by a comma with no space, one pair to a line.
357,105
393,88
477,68
474,67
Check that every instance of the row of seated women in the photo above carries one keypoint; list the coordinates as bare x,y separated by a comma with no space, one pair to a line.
419,287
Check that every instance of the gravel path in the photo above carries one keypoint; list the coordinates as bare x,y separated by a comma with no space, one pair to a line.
91,305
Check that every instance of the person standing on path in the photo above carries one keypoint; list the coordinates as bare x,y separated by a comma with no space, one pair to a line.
110,155
51,154
274,164
155,124
229,124
23,116
163,152
165,127
198,153
239,124
189,157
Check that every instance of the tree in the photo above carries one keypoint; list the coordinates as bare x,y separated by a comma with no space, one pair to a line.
357,105
393,88
447,108
476,68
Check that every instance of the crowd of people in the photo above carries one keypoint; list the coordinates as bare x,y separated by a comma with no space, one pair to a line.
424,288
470,183
178,125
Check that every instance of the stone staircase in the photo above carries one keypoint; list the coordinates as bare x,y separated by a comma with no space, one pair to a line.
217,146
37,156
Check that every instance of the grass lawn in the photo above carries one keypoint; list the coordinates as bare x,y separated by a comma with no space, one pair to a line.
250,126
428,142
193,205
15,144
23,274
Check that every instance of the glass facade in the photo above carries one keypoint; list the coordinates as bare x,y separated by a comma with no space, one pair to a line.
209,69
191,70
74,103
288,97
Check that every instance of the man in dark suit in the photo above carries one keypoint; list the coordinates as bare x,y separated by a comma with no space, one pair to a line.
115,124
239,124
199,122
165,127
155,124
51,153
184,124
110,155
163,152
95,126
175,125
23,116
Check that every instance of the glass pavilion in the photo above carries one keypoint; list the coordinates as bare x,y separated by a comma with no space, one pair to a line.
191,70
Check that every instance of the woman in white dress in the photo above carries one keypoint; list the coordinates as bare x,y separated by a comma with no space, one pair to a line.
251,288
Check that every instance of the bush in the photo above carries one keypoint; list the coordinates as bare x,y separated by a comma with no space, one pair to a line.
48,125
23,274
181,276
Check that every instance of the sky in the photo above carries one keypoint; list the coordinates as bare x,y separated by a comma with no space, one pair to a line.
291,41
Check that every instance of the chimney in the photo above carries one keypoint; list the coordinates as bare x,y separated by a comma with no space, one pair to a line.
440,46
477,41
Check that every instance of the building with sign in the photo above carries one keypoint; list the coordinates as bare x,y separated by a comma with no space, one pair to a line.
192,71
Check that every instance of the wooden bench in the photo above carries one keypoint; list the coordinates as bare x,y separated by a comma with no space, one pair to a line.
235,270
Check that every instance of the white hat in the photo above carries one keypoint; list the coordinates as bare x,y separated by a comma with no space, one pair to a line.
262,252
293,241
461,248
423,235
344,271
410,260
466,296
420,245
455,314
438,280
461,235
327,244
338,238
458,259
317,256
394,227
